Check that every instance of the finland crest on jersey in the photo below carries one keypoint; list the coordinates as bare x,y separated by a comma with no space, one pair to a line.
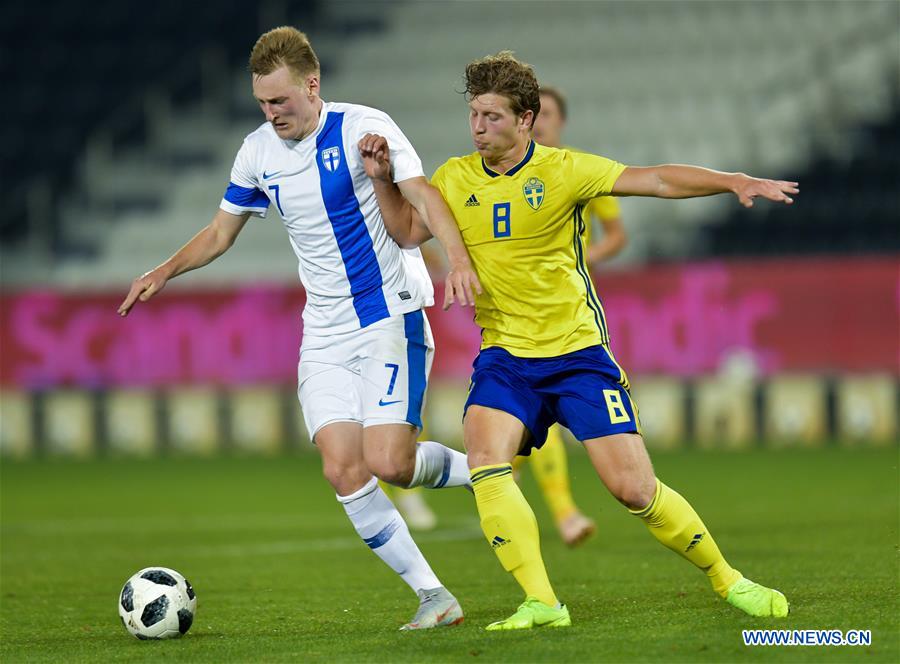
331,158
353,272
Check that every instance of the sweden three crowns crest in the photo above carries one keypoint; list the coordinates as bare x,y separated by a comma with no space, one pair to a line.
534,192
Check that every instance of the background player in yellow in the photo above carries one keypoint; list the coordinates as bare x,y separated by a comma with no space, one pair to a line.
545,354
550,463
548,130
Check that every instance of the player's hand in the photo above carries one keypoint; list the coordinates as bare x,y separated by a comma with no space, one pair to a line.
461,285
749,188
376,156
143,288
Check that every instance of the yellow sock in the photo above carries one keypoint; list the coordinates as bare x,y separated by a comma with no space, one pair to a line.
511,529
551,470
674,522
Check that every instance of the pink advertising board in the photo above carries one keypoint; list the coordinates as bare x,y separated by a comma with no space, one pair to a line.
791,314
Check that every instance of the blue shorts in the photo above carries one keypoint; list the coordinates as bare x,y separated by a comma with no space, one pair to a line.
585,391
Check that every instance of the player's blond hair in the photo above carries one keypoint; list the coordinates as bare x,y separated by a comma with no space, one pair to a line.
284,46
504,75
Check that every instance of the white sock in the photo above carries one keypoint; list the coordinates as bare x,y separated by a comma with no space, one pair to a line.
437,466
381,527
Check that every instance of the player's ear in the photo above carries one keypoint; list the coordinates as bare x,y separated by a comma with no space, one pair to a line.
526,120
312,85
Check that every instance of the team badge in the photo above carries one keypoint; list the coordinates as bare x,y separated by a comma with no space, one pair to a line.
534,192
331,158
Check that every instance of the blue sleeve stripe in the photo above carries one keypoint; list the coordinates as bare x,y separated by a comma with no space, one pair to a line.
246,197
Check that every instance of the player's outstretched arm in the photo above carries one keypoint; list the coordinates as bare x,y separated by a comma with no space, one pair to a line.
203,248
679,181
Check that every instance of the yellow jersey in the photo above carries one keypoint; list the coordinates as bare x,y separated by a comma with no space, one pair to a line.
525,234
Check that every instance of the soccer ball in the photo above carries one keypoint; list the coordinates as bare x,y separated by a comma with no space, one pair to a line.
157,603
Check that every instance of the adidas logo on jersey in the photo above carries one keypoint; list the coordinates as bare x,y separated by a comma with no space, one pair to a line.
472,202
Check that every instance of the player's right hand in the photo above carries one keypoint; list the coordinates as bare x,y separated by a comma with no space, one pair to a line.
376,156
143,288
461,285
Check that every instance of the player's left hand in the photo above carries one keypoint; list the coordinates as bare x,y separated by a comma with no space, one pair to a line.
461,285
749,188
376,156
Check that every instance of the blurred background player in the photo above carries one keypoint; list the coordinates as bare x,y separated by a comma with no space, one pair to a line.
367,347
549,463
605,210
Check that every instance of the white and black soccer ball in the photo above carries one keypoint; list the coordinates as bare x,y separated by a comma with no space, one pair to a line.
157,603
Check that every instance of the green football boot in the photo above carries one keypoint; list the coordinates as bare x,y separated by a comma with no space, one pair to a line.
757,600
534,613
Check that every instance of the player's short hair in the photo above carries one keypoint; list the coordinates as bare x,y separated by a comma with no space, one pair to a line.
502,74
284,46
556,95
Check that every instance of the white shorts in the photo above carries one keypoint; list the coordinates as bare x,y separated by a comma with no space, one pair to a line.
376,375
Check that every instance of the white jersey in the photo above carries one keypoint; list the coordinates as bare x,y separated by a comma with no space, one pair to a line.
353,271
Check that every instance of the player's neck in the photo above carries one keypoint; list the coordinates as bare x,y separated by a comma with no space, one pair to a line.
313,123
508,159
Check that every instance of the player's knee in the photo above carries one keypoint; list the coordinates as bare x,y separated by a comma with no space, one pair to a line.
344,476
478,458
396,469
478,455
635,491
398,476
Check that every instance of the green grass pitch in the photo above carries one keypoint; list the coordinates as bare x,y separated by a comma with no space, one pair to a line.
281,576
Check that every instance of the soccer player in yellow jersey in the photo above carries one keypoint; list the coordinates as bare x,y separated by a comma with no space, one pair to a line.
545,355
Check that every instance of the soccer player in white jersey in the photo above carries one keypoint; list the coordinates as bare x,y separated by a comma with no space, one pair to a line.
367,346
